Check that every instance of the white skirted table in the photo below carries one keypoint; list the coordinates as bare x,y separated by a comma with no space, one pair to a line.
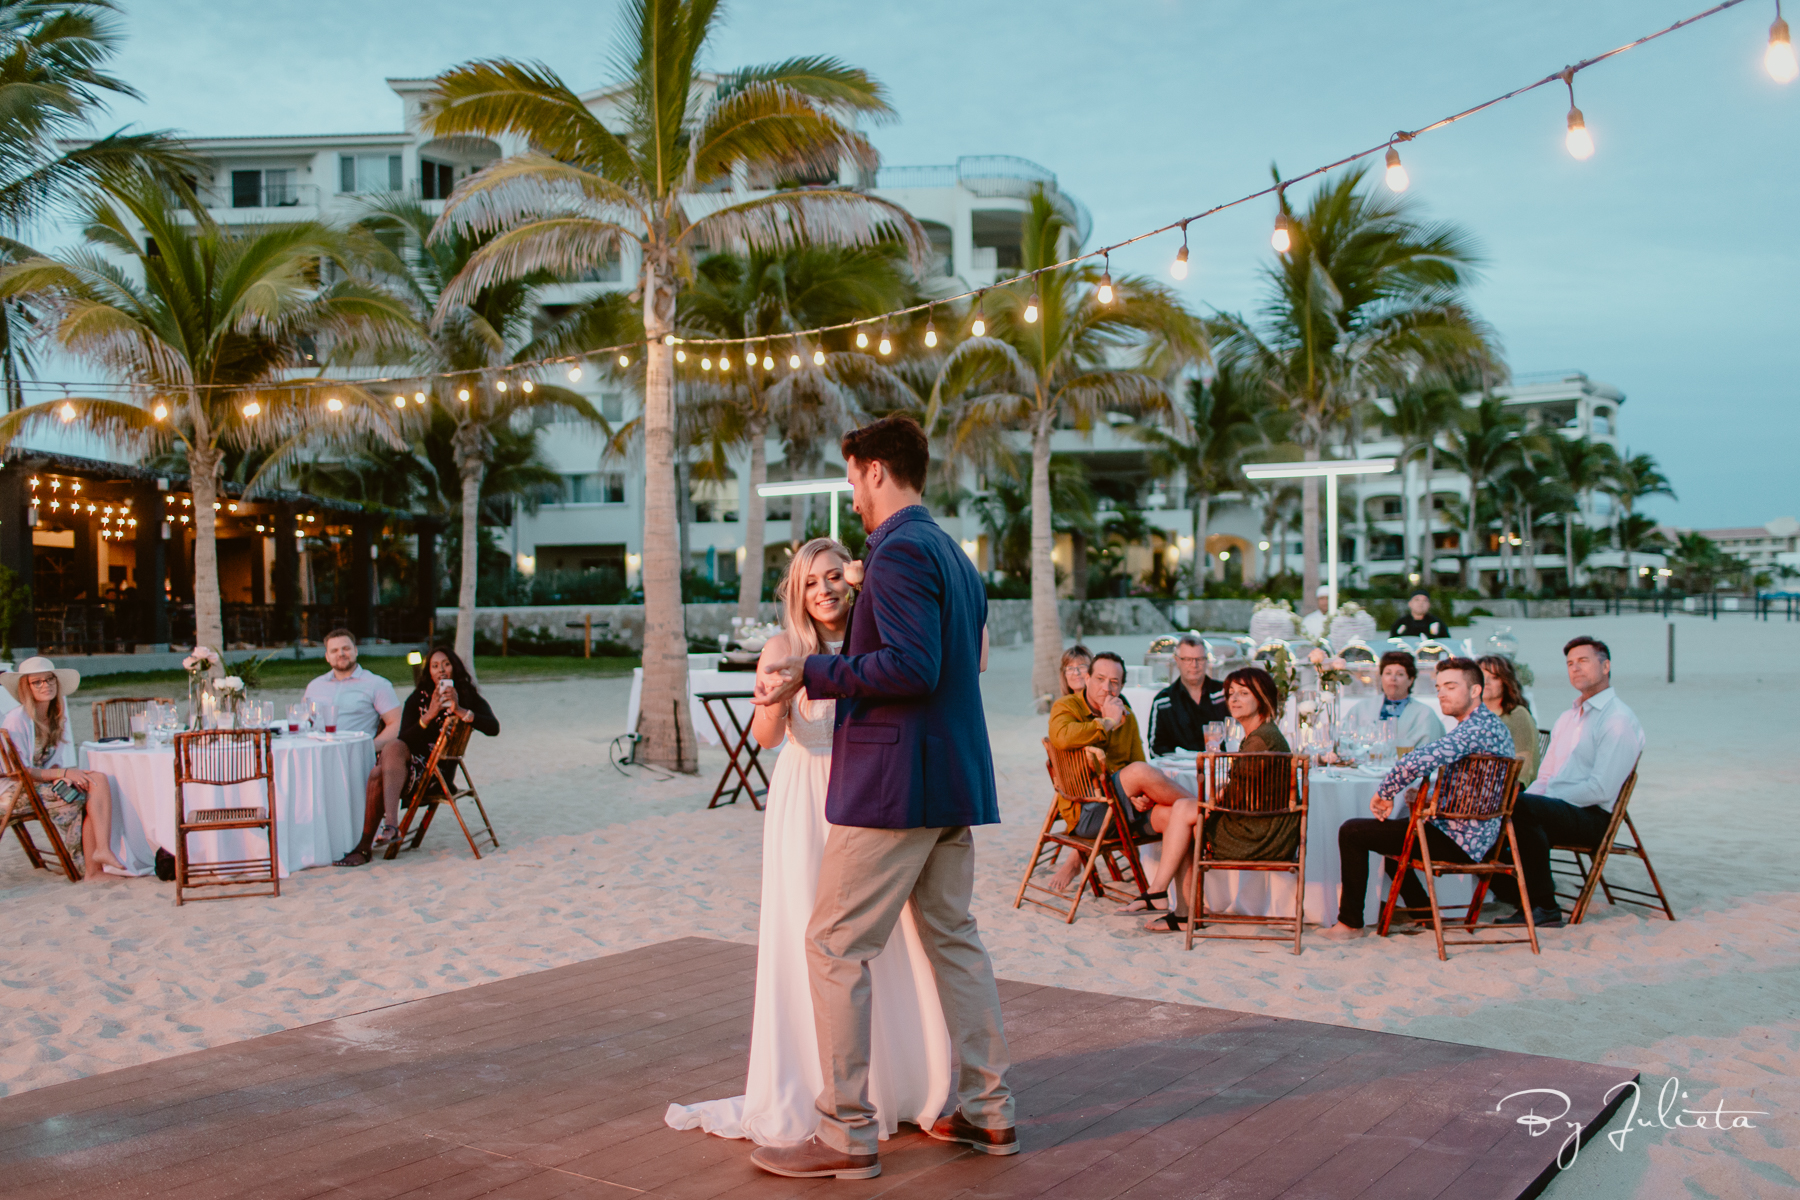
1334,796
320,784
700,680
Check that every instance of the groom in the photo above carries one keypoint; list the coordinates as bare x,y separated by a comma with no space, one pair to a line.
911,771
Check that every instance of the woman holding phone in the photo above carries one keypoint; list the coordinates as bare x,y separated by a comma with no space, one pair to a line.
445,692
79,802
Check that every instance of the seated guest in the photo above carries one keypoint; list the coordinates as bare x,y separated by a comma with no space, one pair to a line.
1095,716
1313,623
1419,621
1460,684
1074,668
40,732
1181,712
1506,700
1417,724
1594,747
365,704
1252,700
445,692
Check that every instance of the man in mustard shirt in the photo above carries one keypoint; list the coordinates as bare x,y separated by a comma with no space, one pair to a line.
1096,716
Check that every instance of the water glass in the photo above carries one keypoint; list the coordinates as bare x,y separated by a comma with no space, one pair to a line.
296,713
139,728
330,716
1215,736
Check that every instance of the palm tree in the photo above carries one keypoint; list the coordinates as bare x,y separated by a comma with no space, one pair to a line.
1036,368
51,75
1581,466
760,296
460,348
1424,410
1366,298
1484,444
211,338
1636,477
651,178
1216,423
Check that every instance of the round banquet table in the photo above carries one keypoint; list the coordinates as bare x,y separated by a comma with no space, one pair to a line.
1334,796
320,785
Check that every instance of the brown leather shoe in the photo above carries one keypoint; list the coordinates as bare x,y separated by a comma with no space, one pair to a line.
813,1159
957,1128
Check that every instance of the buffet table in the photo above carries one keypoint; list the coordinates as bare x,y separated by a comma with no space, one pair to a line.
320,784
1335,796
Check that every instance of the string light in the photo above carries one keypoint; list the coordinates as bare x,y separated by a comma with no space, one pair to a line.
1179,267
794,361
1282,239
419,397
978,327
252,408
1397,179
1104,293
399,401
1579,141
862,340
1031,305
333,404
930,333
574,374
724,363
500,386
706,364
818,358
624,360
886,346
160,411
768,360
681,356
67,412
668,339
1778,59
463,395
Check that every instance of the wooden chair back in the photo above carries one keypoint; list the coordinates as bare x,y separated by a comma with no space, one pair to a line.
1592,874
1480,787
112,718
1079,778
1257,784
21,793
225,758
1254,783
437,786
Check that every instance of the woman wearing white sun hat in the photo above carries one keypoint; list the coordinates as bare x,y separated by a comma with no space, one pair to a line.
39,728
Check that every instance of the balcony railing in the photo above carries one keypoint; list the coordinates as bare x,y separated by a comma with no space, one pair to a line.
993,176
268,195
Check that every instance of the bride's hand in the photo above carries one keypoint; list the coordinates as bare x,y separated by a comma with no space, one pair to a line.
783,677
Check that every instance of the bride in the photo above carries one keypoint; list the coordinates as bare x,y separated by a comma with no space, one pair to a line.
909,1064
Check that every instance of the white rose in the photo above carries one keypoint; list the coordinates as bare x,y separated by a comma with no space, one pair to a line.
232,683
1308,707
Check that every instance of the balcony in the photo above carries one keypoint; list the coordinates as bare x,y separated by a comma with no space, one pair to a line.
261,196
993,176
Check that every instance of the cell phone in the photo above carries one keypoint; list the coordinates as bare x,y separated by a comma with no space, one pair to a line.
66,791
446,683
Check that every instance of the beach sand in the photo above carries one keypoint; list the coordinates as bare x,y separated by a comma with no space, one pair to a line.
593,861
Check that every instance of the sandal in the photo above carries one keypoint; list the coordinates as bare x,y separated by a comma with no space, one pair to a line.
356,858
1143,898
1169,922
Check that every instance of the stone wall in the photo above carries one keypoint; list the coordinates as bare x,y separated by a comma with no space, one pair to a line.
614,622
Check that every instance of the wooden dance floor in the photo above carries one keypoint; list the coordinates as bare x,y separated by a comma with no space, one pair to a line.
554,1085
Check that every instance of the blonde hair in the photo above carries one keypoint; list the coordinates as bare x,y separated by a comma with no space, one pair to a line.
804,635
48,723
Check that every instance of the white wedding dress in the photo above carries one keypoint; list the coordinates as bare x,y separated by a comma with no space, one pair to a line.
909,1063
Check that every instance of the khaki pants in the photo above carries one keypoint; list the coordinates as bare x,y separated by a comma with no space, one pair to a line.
867,876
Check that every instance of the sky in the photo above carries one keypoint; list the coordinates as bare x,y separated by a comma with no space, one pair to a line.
1664,265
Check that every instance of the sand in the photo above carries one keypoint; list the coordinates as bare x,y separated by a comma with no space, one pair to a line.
99,976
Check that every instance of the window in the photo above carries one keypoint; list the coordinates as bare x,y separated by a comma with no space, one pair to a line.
436,180
367,173
246,189
279,189
1390,508
602,488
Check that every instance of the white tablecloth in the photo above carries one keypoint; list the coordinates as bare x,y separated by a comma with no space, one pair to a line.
1333,797
319,794
701,680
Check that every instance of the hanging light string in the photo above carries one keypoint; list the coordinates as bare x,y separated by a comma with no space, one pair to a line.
1778,59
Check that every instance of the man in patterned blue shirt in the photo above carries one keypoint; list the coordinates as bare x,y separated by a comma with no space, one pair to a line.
1479,731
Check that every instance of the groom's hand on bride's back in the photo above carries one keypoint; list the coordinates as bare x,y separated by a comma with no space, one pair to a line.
778,680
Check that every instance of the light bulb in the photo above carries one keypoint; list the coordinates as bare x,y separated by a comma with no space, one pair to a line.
930,336
500,386
1178,268
1580,142
574,374
252,408
681,356
668,339
862,340
1778,59
818,358
794,361
399,401
979,328
1281,239
724,363
768,362
463,395
1396,174
419,397
67,413
624,360
706,364
1104,293
333,404
886,346
159,412
1031,309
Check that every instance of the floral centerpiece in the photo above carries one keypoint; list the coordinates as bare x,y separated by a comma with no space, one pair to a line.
1274,657
1350,620
199,665
1273,619
229,693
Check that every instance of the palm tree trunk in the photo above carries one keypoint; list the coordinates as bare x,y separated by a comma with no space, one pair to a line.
1427,552
663,716
1569,551
203,479
471,467
750,577
1309,534
1046,627
1529,537
1619,535
1406,517
1202,560
1471,576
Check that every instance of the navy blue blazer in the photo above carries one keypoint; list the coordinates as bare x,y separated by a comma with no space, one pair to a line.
911,743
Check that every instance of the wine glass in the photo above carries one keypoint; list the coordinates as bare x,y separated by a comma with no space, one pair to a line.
330,718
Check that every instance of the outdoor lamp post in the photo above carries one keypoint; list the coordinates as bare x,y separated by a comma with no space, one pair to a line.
810,487
1330,471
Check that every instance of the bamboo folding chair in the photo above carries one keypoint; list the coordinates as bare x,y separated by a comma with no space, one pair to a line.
1079,777
1594,874
27,807
437,786
1481,787
1267,786
112,718
225,758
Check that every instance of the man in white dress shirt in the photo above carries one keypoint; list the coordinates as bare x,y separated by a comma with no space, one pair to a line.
1593,750
365,703
1313,623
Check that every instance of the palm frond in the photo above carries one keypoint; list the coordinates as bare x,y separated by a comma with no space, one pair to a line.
497,96
823,216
